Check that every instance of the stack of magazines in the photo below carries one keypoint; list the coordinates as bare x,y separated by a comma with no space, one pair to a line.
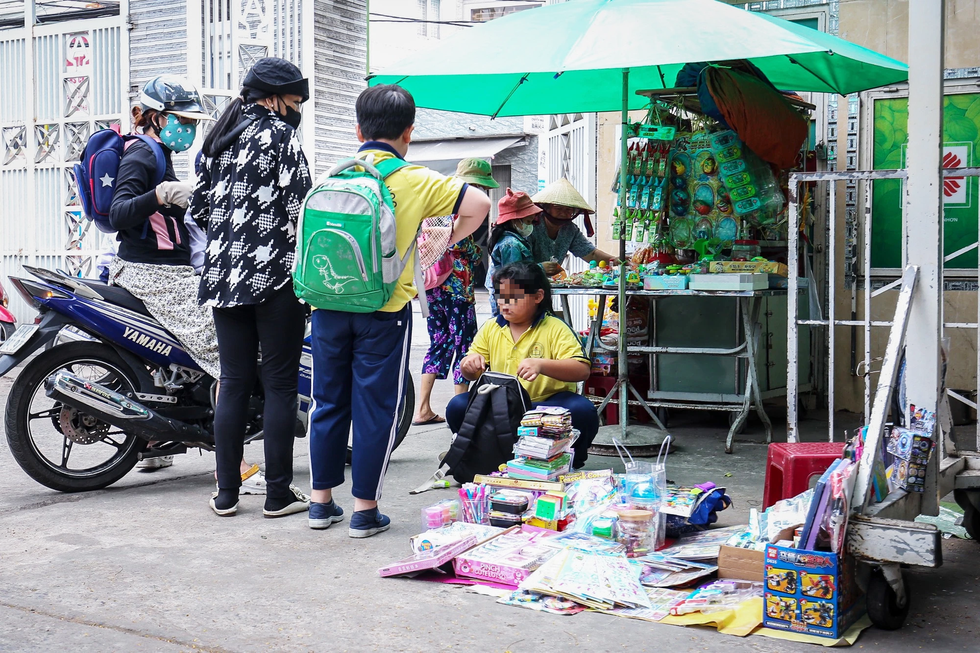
601,581
542,449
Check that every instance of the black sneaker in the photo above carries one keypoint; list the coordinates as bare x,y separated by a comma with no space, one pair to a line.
322,515
365,523
297,502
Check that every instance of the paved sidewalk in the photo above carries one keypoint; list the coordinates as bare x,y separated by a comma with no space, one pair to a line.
145,566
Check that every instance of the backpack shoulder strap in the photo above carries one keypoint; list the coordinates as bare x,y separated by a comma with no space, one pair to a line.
160,162
501,420
388,167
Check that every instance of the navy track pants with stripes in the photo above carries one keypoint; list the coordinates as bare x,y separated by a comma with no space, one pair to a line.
360,364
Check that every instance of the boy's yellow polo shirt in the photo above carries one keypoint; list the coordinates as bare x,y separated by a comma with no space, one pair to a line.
418,193
548,337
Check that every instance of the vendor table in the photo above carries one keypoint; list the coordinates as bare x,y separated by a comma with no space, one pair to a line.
744,351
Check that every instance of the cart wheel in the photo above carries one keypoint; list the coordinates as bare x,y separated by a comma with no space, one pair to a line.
883,608
967,500
971,521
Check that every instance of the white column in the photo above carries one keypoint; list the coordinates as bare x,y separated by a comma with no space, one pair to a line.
30,120
923,208
195,40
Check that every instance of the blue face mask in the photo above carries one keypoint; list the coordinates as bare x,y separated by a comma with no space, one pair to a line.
176,136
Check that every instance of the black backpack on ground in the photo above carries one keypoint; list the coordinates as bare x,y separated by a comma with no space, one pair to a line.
489,431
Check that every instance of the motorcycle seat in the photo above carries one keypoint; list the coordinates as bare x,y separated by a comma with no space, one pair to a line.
116,295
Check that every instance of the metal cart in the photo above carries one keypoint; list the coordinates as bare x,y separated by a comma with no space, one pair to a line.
748,394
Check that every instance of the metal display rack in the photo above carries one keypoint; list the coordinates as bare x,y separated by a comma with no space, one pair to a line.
744,352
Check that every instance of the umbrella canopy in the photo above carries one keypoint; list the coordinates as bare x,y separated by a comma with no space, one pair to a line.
569,57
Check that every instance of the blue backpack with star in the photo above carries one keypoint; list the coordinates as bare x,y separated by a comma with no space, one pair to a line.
96,172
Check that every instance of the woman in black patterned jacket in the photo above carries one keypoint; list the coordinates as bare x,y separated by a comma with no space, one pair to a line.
253,179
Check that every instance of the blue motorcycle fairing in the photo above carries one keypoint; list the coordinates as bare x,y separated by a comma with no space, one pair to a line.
143,336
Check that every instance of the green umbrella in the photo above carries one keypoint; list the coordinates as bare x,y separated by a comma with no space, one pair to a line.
592,55
570,57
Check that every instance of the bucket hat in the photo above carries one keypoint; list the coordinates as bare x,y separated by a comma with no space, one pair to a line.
477,172
562,192
514,206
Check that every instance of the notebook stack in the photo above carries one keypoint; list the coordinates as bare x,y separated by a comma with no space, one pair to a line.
544,440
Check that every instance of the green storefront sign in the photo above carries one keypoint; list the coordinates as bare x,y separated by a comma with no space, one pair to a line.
961,148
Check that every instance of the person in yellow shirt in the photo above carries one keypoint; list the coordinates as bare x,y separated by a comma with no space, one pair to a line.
360,360
538,348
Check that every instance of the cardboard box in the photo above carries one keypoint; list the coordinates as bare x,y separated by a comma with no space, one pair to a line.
810,592
729,281
666,282
769,267
741,564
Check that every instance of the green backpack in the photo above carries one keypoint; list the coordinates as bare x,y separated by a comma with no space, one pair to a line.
346,258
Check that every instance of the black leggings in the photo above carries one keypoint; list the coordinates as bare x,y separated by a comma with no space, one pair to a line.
278,325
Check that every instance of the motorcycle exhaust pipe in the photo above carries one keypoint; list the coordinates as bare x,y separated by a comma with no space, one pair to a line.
113,408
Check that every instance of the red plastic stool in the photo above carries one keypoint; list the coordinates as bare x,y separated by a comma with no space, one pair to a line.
600,386
792,465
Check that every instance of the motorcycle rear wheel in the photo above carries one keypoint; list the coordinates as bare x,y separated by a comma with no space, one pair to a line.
107,453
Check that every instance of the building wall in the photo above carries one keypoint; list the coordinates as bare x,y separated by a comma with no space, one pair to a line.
158,41
157,46
882,25
523,160
340,66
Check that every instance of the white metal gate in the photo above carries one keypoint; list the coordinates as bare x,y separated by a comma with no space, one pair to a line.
59,83
237,33
570,152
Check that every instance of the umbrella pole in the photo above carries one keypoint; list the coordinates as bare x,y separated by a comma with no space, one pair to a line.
623,363
640,440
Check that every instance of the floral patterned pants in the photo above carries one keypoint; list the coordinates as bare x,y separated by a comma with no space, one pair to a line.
452,327
170,295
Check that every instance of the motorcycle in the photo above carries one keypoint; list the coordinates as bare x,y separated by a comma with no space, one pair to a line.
8,323
115,387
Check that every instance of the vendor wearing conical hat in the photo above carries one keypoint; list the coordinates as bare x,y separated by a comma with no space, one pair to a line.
556,234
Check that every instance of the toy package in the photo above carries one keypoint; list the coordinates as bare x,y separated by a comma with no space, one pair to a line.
750,181
428,559
508,558
812,592
910,450
450,534
717,596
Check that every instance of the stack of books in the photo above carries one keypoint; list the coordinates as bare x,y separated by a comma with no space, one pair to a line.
542,449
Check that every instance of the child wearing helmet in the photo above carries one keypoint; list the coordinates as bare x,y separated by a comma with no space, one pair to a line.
153,258
153,261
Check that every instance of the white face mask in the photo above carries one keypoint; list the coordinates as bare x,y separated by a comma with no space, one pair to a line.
524,229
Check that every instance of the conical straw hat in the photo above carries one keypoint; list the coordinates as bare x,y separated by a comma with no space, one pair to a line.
562,192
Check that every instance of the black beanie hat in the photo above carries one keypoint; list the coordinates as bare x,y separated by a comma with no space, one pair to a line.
277,77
